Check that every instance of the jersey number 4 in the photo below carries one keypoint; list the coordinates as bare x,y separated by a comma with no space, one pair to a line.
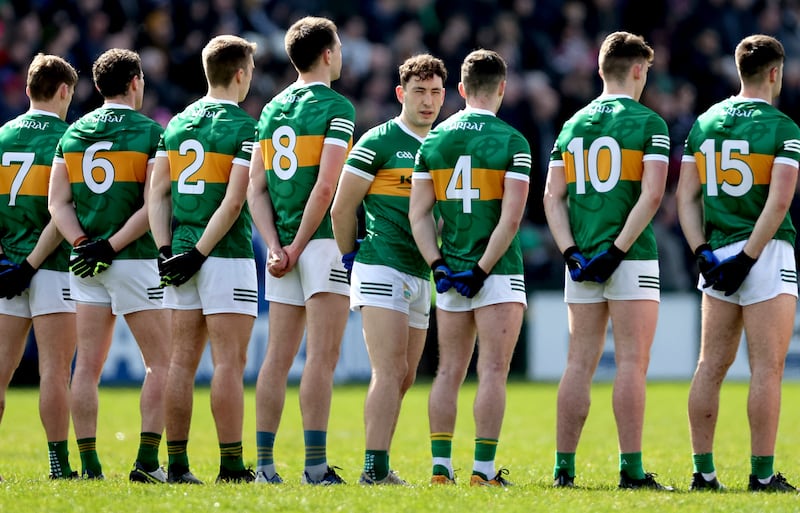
460,184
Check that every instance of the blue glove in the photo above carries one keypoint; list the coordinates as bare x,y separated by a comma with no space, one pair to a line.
180,268
16,280
706,260
348,259
469,283
602,266
729,274
441,276
5,263
575,263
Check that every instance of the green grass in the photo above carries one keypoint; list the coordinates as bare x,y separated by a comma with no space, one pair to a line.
526,448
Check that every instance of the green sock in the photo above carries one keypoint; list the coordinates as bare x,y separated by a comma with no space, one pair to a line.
90,463
564,461
631,463
761,466
376,464
148,450
316,444
704,463
230,456
485,450
178,457
441,450
59,459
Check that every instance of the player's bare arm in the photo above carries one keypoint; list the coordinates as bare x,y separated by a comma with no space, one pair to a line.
781,191
263,215
159,204
228,211
555,207
351,191
330,166
690,205
654,181
420,215
515,195
59,203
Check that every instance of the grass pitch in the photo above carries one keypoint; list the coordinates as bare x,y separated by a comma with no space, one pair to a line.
526,449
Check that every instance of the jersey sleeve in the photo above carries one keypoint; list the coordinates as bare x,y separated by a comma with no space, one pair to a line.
656,146
788,151
520,165
365,159
156,133
245,143
341,125
688,148
161,150
421,170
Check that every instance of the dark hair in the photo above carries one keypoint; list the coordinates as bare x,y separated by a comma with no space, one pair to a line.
620,51
423,66
114,70
482,71
307,38
223,56
46,73
757,54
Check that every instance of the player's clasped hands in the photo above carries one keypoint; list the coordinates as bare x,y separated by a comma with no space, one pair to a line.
728,275
178,269
93,257
467,283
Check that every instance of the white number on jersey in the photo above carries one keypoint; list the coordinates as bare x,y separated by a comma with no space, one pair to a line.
728,162
575,147
89,164
465,193
284,152
25,161
184,186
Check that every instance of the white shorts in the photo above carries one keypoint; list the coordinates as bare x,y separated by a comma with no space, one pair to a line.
632,280
498,288
48,294
319,269
774,273
222,285
127,286
385,287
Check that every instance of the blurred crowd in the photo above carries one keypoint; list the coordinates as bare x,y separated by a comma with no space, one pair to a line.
550,46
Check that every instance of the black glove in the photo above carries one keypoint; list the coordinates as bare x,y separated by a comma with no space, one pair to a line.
164,254
178,269
77,264
602,266
706,259
441,276
93,257
469,283
14,281
576,262
729,274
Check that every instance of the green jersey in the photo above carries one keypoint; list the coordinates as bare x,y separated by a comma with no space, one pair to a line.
468,157
106,153
202,144
734,145
291,132
27,145
603,148
385,156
